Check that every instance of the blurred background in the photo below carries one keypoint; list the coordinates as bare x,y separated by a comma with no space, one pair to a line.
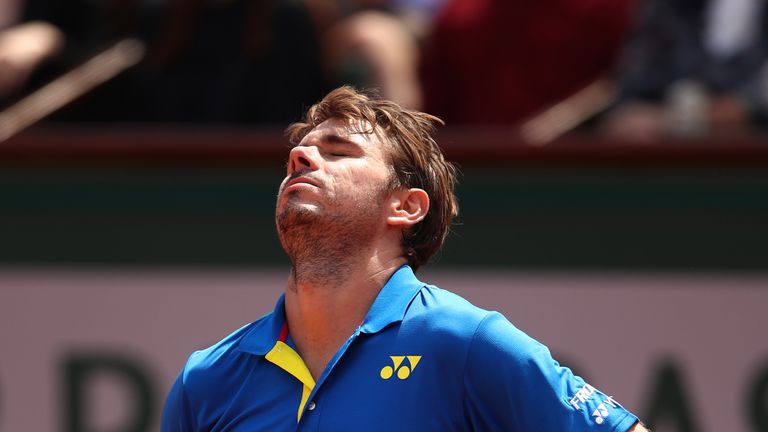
614,188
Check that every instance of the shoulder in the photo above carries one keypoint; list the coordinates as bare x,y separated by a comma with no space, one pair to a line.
445,308
487,334
442,313
207,376
213,366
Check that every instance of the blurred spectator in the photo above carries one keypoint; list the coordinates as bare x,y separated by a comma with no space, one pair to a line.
692,67
23,46
221,61
376,43
10,12
497,62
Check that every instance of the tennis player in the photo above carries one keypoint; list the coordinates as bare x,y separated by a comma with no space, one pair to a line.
357,342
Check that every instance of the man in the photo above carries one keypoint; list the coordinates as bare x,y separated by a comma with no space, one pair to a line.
357,342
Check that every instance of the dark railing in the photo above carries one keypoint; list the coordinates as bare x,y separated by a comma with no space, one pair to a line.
184,143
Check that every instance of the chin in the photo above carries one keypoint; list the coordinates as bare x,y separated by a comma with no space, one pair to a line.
293,214
298,207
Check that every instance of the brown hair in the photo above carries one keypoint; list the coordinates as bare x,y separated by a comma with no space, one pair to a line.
416,159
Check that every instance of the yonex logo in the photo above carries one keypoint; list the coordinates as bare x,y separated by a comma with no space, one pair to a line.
600,414
402,370
602,410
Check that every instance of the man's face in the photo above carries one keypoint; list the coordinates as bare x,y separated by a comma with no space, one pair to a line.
337,178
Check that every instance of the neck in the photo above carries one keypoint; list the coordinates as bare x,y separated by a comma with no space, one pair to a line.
324,310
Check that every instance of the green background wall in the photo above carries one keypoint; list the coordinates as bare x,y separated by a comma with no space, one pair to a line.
513,214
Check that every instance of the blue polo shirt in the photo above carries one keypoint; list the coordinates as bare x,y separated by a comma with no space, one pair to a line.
423,359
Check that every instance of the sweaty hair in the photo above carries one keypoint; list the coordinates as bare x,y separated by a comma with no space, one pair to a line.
416,159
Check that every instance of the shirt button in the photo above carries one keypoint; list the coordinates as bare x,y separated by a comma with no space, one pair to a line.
311,405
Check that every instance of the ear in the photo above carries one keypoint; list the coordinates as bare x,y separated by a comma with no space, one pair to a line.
407,207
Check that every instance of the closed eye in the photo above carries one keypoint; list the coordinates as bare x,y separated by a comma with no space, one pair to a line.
340,147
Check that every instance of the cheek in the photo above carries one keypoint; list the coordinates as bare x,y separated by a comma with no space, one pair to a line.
358,180
362,184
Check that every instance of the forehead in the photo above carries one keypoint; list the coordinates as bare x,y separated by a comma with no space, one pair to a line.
337,130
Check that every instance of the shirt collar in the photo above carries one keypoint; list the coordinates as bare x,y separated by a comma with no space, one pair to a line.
393,300
390,306
266,331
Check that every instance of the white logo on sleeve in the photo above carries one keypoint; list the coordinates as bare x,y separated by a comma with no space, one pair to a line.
603,408
582,396
600,414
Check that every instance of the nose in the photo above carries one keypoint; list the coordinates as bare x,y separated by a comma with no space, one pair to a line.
302,157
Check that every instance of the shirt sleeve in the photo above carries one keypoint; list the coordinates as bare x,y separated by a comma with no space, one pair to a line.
512,383
176,416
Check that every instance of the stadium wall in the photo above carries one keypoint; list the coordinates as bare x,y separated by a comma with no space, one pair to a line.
88,350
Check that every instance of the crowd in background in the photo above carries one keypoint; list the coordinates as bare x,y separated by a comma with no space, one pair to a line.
681,66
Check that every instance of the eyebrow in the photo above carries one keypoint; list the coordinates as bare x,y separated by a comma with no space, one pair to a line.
335,139
338,139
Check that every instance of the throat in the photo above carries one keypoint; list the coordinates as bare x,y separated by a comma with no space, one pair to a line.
321,318
318,337
317,360
325,245
322,257
330,269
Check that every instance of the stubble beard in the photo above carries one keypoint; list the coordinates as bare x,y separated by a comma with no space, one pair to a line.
322,244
